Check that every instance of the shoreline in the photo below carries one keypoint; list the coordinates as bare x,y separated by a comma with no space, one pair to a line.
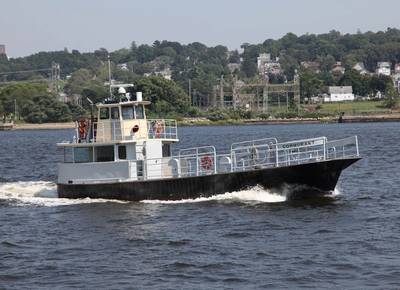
44,126
205,122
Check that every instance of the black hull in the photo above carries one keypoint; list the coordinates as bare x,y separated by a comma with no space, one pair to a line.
308,180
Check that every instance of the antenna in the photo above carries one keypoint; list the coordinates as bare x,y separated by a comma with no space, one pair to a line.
109,75
91,109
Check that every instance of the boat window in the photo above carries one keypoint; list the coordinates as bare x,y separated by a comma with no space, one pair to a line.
127,113
115,113
104,113
139,112
83,154
166,150
122,152
104,153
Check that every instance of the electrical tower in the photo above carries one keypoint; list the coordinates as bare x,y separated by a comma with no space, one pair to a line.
55,77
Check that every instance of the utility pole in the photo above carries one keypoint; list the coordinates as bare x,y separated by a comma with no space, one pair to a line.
15,110
190,91
221,90
109,75
265,97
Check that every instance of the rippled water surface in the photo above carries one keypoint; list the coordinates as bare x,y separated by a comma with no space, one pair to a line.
251,239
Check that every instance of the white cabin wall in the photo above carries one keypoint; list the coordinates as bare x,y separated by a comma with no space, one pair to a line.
154,159
89,172
131,151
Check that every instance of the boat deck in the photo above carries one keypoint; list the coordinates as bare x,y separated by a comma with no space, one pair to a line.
203,161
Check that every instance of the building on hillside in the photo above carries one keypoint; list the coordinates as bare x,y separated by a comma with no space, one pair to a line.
339,94
314,66
396,80
2,49
360,68
383,68
397,68
166,73
123,66
262,59
396,77
338,68
233,67
266,65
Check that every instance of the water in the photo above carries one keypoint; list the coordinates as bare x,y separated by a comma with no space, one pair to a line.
251,239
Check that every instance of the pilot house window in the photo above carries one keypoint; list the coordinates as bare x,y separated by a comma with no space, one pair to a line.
104,113
127,113
139,112
115,113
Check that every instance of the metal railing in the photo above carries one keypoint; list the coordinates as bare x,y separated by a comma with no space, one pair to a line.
257,154
100,132
162,129
244,156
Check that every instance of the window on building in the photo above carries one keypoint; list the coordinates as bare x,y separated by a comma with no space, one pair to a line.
139,112
166,150
122,152
83,154
115,113
104,153
127,113
104,113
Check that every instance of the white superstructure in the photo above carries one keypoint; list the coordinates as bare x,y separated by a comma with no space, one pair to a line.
103,147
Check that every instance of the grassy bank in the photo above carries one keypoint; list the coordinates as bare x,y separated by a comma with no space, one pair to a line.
353,108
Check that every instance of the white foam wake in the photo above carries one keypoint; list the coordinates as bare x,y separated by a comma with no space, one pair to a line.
336,192
254,195
40,193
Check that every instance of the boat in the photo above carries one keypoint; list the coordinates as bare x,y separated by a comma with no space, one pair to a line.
120,154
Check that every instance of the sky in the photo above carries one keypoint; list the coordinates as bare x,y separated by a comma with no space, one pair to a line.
30,26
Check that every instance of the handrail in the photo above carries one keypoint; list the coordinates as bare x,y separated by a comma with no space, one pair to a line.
162,129
198,161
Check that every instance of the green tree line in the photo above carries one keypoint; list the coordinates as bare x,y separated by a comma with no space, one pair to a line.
203,66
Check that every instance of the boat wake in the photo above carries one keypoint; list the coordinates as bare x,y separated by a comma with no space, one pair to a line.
41,193
253,195
44,193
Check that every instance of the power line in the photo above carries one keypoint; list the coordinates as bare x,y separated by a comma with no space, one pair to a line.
26,81
25,71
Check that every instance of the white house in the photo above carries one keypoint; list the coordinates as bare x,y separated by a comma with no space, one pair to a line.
123,66
397,68
262,59
360,68
383,68
339,94
396,81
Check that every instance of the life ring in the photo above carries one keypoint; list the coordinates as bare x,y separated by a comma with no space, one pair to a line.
135,129
158,128
82,129
206,162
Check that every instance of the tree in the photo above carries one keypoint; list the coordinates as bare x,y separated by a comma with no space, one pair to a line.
359,83
35,104
310,84
166,96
